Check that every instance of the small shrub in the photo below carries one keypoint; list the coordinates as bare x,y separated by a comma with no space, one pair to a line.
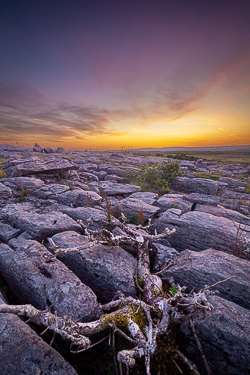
173,289
155,178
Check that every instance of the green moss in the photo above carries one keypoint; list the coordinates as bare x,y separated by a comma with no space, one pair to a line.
137,314
120,319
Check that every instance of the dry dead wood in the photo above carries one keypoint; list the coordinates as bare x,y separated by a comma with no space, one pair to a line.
159,309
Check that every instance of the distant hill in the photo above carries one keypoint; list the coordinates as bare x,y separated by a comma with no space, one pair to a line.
182,149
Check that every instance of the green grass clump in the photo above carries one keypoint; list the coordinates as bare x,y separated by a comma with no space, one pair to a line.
207,176
155,178
2,173
247,189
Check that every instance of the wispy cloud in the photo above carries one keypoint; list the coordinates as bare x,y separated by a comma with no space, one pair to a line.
23,110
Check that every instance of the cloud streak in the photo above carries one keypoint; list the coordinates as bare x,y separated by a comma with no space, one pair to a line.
25,111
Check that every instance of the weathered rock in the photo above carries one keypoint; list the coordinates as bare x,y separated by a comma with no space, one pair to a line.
110,188
195,270
24,352
35,276
233,184
60,150
174,201
87,167
147,197
69,175
200,163
34,165
78,198
223,212
132,207
102,175
69,239
28,184
99,218
195,185
224,333
37,148
203,199
87,176
7,232
75,197
48,150
106,269
190,165
5,192
121,171
50,191
162,255
199,231
38,225
113,177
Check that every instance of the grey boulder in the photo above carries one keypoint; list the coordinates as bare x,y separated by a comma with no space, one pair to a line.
78,198
223,212
224,333
199,231
24,352
133,207
147,197
109,188
98,218
7,232
5,192
106,269
38,225
167,201
35,276
35,165
197,269
28,184
195,185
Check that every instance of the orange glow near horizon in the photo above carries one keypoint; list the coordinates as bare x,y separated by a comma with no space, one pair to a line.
185,132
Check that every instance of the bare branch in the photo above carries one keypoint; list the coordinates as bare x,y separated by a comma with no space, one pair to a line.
186,361
209,372
219,282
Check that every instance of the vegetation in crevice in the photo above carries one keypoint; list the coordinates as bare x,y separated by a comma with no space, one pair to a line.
155,178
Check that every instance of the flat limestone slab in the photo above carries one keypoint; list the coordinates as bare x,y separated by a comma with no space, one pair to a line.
35,276
106,269
197,269
24,352
224,334
38,225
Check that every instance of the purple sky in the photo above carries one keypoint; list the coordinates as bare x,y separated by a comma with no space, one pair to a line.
112,74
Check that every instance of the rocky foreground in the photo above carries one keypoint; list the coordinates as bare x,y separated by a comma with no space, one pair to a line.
47,197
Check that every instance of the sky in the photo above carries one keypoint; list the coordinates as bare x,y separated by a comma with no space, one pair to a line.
123,74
